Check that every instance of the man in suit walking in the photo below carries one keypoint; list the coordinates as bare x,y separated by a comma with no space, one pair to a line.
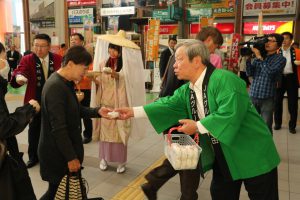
165,55
13,58
34,69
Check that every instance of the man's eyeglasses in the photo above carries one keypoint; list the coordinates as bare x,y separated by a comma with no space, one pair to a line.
40,46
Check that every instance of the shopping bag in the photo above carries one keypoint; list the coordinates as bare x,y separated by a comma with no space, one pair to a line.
73,187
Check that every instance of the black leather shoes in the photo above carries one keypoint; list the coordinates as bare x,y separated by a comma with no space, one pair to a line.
31,163
86,140
293,131
277,127
149,192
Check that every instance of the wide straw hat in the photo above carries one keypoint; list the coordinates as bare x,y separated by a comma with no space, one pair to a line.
119,39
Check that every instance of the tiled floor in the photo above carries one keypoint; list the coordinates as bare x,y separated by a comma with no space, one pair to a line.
143,153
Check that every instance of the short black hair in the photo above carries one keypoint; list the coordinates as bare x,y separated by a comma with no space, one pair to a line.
78,55
43,36
210,31
79,35
289,34
2,48
278,37
172,38
62,45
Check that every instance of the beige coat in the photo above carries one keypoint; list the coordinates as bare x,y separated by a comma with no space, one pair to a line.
111,92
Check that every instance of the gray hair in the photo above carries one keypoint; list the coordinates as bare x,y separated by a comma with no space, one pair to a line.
195,48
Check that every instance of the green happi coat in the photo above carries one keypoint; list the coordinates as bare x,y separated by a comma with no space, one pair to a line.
244,137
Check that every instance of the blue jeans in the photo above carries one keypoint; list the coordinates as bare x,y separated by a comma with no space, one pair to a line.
265,108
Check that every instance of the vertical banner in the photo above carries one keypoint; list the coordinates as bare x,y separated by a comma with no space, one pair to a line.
88,27
206,21
260,25
234,53
152,44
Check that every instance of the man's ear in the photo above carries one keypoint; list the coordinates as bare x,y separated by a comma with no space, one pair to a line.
197,60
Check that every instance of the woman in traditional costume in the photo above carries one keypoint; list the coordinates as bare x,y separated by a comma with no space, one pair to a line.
119,84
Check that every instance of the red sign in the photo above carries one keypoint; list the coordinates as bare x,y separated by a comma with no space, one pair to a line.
251,28
81,3
225,28
166,29
234,53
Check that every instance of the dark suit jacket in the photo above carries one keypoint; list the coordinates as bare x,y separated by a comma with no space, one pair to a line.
164,58
13,59
60,139
27,68
170,82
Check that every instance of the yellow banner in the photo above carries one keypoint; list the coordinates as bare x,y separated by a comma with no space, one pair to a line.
152,40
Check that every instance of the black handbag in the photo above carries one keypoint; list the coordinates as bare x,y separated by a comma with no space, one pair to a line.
73,187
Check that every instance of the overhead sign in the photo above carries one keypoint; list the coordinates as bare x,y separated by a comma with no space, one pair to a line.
194,13
251,28
163,15
166,29
129,10
269,7
81,3
77,16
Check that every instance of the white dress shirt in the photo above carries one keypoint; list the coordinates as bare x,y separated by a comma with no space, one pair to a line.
288,69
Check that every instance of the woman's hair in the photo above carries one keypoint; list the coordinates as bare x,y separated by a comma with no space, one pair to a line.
78,55
2,48
119,60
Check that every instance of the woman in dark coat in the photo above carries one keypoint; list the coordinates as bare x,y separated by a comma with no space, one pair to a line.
15,183
60,147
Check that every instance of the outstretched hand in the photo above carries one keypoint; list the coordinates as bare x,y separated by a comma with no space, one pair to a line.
103,111
188,127
125,113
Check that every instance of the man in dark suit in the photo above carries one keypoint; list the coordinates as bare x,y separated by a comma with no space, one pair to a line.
34,69
288,83
165,55
13,58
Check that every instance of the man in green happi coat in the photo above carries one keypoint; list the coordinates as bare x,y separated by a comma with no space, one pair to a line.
236,142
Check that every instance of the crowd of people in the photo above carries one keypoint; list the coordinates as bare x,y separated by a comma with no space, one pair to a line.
196,93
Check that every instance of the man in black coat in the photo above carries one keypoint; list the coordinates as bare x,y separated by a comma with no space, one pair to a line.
288,83
60,148
13,58
165,55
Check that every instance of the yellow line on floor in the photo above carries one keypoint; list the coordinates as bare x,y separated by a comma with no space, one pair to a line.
133,190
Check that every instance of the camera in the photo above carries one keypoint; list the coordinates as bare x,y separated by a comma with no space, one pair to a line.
255,42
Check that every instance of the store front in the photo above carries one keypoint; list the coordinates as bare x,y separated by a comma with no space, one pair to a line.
251,28
12,28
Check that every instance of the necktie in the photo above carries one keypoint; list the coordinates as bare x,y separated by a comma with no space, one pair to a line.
45,69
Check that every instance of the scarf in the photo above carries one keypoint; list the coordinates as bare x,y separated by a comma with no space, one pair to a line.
219,155
40,78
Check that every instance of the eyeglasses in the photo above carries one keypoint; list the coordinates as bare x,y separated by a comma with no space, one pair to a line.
40,46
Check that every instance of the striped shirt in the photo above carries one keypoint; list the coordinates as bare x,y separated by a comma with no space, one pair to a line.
265,75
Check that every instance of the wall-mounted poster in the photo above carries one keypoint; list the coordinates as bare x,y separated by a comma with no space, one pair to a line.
41,13
269,7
